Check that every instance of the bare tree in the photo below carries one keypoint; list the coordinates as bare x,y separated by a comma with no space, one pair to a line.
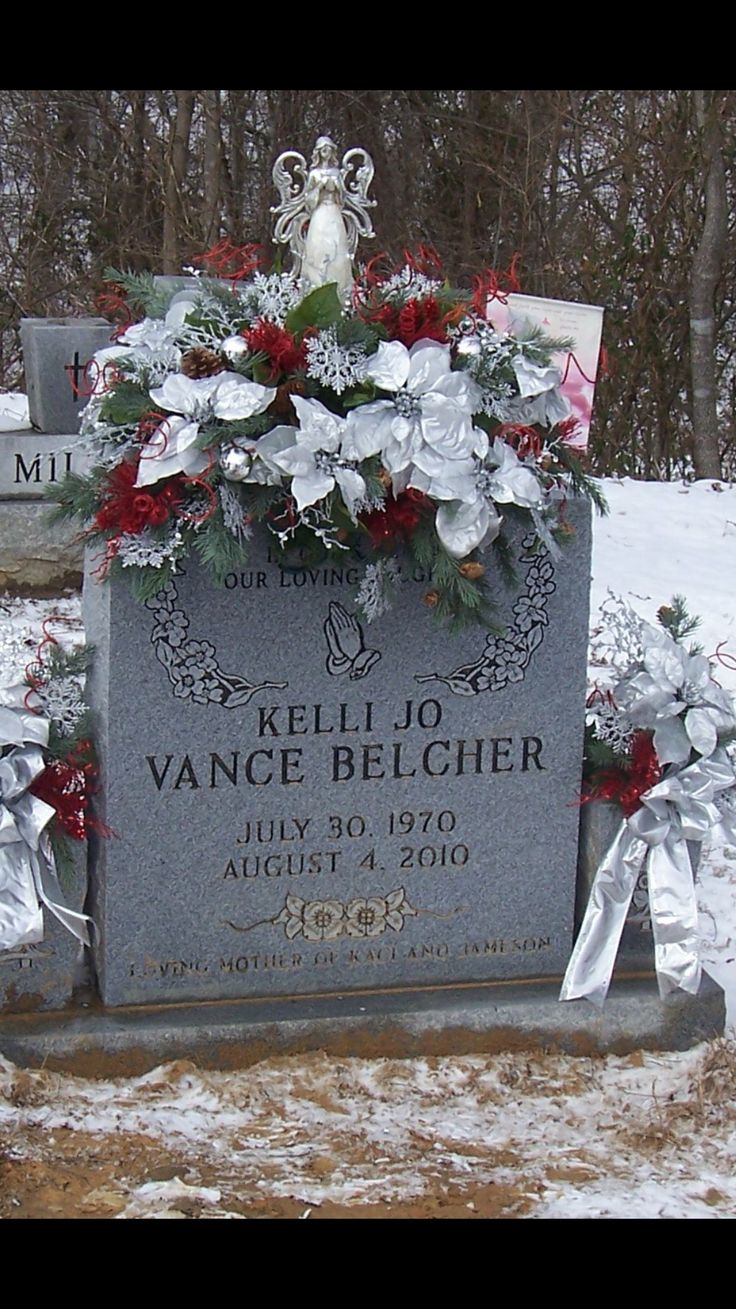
707,269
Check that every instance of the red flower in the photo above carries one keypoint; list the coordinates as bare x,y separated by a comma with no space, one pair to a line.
626,786
399,518
284,354
127,508
64,787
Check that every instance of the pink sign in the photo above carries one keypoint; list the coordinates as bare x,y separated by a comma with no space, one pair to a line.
579,366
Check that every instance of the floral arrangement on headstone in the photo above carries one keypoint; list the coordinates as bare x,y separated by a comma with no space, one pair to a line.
375,413
661,745
47,775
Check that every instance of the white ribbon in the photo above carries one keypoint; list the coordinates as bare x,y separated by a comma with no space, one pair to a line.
28,875
679,809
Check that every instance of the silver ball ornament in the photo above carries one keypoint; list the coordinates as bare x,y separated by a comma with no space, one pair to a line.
235,463
234,347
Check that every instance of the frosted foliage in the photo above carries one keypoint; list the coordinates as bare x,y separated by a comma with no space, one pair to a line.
377,587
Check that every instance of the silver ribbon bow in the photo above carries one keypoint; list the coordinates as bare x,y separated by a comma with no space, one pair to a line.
679,809
28,875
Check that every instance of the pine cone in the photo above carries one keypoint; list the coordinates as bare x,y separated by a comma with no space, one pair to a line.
281,406
201,362
471,570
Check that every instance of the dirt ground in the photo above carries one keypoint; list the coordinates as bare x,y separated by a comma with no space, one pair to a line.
502,1136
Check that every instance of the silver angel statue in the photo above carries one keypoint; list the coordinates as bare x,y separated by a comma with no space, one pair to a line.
323,211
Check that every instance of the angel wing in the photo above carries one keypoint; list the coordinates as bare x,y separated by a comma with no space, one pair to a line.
290,179
357,175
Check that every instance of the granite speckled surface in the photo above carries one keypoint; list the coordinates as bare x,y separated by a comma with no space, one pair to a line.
307,805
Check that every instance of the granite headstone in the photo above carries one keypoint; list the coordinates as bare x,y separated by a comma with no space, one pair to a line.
56,352
304,803
42,976
32,463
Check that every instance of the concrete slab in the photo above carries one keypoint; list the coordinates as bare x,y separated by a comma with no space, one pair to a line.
89,1041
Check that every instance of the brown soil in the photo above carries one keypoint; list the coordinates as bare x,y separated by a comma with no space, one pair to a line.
85,1176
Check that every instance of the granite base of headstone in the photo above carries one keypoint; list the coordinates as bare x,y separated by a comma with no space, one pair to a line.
43,976
33,463
37,557
306,804
599,823
56,352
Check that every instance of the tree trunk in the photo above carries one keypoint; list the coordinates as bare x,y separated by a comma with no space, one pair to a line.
212,168
706,270
176,167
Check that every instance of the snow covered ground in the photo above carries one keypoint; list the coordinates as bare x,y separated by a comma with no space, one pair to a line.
647,1135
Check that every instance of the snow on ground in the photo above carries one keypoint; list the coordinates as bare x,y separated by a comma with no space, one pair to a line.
14,415
517,1134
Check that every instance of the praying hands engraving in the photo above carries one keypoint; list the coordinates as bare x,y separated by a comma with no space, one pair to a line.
346,645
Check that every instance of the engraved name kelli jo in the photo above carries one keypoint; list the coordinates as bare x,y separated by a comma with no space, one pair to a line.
276,761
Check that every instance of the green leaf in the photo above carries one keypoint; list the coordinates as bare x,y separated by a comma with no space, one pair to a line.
321,308
127,403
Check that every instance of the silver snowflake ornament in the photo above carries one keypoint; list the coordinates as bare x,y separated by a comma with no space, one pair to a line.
334,365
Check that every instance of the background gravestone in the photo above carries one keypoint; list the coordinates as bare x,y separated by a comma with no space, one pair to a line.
306,805
42,976
36,555
56,352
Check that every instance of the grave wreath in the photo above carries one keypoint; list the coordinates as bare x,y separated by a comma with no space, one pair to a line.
660,747
47,775
377,416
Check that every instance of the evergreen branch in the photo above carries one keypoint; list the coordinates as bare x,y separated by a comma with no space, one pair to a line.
219,550
581,483
141,291
676,619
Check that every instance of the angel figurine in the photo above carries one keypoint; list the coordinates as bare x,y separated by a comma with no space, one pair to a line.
323,211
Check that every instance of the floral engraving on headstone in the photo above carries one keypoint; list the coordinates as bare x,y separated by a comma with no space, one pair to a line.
346,644
506,658
192,666
326,920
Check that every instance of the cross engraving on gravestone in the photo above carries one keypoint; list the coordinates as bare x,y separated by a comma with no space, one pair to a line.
77,373
305,803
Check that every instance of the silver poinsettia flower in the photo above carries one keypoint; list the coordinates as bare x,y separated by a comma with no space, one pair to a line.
430,411
315,462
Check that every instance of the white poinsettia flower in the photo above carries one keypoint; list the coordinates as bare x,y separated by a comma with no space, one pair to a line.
181,306
313,461
152,345
539,400
149,334
509,481
675,696
431,406
535,379
466,527
171,449
227,396
472,520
